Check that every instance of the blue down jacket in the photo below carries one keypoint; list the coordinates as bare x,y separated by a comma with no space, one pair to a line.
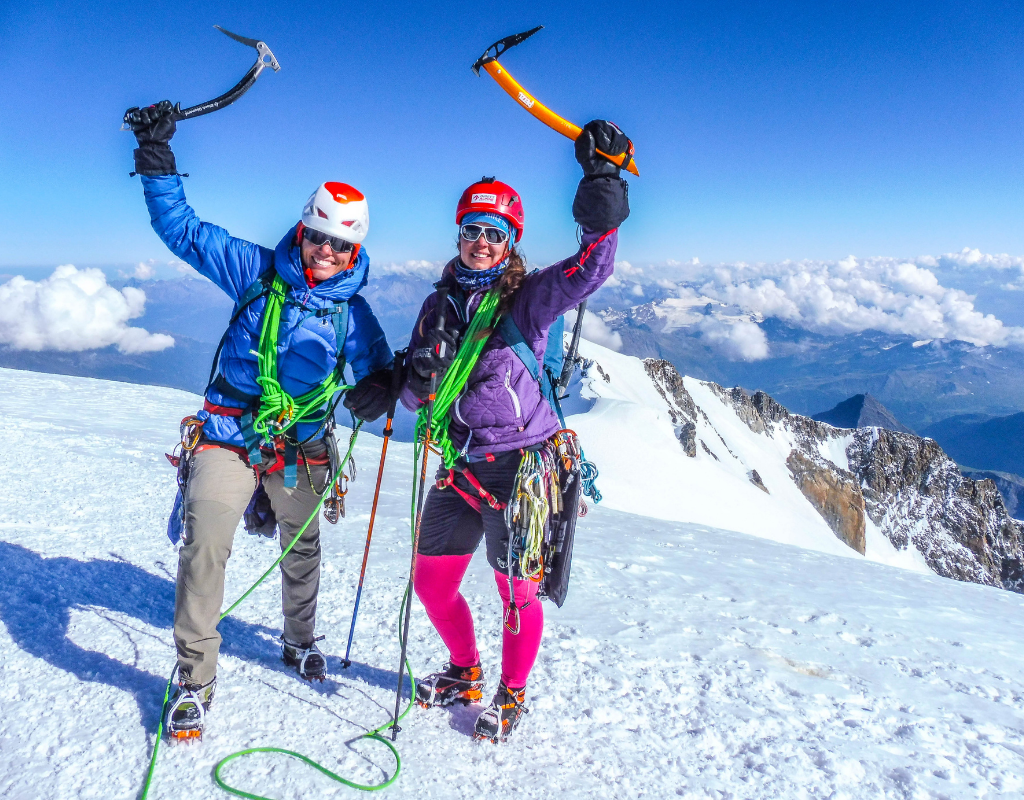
307,345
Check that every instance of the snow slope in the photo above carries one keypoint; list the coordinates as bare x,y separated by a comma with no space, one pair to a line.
689,661
644,470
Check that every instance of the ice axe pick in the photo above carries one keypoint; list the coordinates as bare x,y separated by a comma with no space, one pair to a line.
264,58
489,62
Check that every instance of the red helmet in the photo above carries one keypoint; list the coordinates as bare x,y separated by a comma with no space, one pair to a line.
492,197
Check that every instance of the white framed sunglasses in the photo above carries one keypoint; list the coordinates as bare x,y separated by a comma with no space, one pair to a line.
471,232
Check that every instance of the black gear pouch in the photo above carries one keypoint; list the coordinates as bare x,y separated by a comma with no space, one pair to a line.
259,517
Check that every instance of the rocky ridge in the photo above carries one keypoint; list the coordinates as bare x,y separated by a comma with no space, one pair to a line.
903,484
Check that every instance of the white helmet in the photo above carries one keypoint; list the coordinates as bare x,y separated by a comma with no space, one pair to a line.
338,209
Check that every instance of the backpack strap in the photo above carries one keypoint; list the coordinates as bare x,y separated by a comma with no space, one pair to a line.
514,338
338,313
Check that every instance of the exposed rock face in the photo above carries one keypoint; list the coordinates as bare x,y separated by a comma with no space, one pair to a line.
915,493
907,486
834,492
1010,486
755,479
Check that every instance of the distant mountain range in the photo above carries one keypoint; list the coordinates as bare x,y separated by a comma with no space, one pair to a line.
921,382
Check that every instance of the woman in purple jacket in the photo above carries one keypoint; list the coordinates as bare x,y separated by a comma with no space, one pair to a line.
499,414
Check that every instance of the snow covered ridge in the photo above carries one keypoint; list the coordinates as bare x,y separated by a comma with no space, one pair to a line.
743,462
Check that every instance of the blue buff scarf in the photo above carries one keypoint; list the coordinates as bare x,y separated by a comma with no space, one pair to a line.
472,279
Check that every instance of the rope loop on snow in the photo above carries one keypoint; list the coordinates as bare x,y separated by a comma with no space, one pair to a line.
372,735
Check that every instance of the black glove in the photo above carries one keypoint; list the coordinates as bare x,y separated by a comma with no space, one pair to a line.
371,396
154,130
435,353
599,134
602,198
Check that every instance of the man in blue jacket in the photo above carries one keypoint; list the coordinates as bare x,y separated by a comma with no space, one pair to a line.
324,324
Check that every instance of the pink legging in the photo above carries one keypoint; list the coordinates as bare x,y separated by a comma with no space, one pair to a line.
438,579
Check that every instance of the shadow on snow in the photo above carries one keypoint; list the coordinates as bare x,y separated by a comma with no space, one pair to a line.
38,594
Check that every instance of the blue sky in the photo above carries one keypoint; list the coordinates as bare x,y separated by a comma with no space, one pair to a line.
764,130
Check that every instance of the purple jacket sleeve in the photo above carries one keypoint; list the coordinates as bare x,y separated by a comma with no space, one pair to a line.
550,292
423,320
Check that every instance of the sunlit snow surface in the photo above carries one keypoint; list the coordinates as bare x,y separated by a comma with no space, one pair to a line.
688,661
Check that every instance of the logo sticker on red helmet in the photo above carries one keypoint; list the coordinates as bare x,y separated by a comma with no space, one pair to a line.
484,198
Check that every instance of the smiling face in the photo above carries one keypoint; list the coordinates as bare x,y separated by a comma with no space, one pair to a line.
322,262
479,254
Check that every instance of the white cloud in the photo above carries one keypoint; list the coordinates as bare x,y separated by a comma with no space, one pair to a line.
143,271
739,341
74,310
595,330
896,296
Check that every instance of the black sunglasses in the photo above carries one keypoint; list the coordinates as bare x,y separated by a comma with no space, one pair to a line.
319,239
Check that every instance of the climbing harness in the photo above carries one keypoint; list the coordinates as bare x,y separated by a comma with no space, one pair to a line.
374,734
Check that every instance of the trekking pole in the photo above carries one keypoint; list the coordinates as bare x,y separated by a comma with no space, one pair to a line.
396,386
569,367
441,308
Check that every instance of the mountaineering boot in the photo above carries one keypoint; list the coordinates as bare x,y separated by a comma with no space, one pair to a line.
306,658
454,684
186,711
500,718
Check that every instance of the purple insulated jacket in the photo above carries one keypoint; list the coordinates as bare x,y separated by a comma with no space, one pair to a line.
501,407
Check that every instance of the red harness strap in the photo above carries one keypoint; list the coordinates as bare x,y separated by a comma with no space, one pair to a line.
224,411
227,411
474,502
300,459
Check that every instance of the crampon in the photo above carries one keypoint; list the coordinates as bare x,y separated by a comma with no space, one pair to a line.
453,685
186,712
502,716
307,659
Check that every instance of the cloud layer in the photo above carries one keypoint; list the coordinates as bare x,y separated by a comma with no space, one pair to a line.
851,295
74,310
910,297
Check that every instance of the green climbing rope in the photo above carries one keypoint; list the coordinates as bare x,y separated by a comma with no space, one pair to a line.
455,378
373,734
279,411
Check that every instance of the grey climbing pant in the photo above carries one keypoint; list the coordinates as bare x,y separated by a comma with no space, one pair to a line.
219,487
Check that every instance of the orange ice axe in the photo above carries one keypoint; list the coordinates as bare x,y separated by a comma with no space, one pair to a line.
489,61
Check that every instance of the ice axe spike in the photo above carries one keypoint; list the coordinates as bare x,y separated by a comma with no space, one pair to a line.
264,58
489,62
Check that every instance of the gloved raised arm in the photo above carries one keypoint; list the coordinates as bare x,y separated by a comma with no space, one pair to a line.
153,156
602,197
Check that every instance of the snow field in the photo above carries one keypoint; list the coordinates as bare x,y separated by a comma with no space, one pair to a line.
689,661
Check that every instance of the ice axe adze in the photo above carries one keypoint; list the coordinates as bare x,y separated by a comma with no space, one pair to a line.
264,58
489,61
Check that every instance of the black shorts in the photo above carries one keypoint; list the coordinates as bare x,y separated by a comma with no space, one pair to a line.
451,527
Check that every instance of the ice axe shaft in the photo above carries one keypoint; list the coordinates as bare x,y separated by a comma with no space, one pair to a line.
264,58
515,90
